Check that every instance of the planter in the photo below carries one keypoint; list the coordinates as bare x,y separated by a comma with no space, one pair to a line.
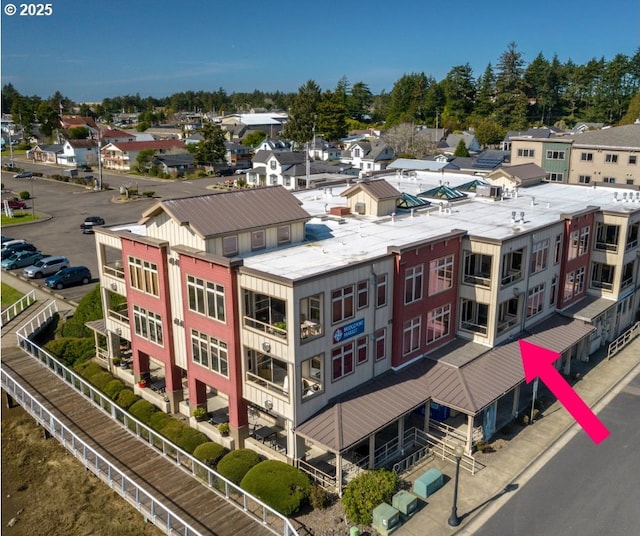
142,383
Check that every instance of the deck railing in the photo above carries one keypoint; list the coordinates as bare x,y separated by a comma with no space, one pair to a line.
159,514
623,340
15,309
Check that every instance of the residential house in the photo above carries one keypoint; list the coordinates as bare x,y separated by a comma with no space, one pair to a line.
122,155
238,155
274,144
270,122
320,149
369,156
532,133
79,153
46,153
176,165
115,135
450,143
269,167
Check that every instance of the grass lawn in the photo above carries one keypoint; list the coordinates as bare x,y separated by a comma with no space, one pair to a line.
9,295
18,217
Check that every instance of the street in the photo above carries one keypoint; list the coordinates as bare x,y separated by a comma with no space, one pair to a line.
586,489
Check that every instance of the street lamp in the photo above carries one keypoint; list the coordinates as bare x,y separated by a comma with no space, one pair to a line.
33,199
454,520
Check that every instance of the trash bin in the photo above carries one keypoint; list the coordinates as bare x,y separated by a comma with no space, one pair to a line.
354,531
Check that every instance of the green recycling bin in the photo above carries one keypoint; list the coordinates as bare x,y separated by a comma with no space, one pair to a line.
354,531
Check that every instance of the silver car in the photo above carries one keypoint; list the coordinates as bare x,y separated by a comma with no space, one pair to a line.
46,266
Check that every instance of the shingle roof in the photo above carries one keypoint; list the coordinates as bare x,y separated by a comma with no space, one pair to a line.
127,146
524,172
626,136
231,212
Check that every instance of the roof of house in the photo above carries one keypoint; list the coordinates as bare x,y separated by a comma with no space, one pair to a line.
230,212
71,121
414,164
115,133
623,137
156,145
82,144
522,173
283,157
378,189
172,160
52,148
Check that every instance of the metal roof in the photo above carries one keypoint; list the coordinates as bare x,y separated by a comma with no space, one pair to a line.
468,388
378,189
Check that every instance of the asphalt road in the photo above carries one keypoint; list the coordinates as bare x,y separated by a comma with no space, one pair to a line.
64,206
586,489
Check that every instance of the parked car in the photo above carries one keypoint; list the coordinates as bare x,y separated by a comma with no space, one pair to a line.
69,276
22,246
23,175
46,266
95,220
21,259
15,204
5,239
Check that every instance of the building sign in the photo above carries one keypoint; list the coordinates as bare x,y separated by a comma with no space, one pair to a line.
350,330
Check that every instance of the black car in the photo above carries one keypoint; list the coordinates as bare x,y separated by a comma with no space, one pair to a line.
69,276
7,252
95,220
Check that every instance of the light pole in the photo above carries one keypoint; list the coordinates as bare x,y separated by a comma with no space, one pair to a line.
33,199
454,520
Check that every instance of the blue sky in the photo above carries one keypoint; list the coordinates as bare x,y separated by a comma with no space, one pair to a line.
92,49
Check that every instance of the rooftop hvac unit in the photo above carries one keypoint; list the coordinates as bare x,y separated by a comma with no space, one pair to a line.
486,190
386,519
406,503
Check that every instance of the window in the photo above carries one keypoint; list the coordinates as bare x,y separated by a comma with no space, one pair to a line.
586,157
527,153
555,177
411,335
381,344
557,249
630,181
602,275
286,181
555,155
363,294
147,324
258,240
554,290
438,321
610,158
632,235
609,180
362,350
413,284
535,300
342,304
584,179
574,241
477,269
265,313
356,153
573,284
273,164
312,375
440,274
507,315
144,276
267,372
206,298
230,246
381,290
539,255
607,237
311,316
474,316
210,352
284,234
512,264
633,159
627,275
342,361
583,247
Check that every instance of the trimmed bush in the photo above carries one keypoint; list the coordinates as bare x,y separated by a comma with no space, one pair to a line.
190,439
281,486
71,350
237,463
126,398
100,379
113,388
87,368
209,453
367,491
159,420
143,410
173,430
24,195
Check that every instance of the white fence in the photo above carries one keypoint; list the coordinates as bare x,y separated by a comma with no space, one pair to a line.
623,340
14,310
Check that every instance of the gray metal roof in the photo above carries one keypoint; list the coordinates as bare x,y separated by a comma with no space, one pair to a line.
232,212
378,189
468,388
589,308
626,136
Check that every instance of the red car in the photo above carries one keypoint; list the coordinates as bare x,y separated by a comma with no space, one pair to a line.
16,204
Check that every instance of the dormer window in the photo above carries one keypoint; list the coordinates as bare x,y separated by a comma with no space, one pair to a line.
356,153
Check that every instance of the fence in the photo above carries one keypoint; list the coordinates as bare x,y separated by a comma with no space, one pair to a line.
623,340
14,310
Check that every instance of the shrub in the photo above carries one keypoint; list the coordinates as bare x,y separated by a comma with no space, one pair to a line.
149,193
367,491
113,388
237,463
72,350
143,410
100,379
320,498
87,368
159,420
224,428
24,195
89,308
190,438
172,430
209,453
126,398
279,485
199,412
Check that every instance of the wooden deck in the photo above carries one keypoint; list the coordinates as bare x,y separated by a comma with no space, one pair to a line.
197,505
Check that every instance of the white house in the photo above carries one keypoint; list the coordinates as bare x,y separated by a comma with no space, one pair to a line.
369,156
78,153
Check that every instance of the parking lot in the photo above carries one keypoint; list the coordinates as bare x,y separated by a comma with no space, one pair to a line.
64,206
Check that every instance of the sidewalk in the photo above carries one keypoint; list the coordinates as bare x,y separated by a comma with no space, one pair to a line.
480,495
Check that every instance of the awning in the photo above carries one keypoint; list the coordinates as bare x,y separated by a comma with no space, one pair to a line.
99,326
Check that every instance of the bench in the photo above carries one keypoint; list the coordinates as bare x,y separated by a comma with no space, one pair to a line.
428,483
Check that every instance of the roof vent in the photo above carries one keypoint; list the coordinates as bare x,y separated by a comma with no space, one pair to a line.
513,216
521,218
533,201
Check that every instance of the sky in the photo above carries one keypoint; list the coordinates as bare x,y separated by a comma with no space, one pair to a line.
89,50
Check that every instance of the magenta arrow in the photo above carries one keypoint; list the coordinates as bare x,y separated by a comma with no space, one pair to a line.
538,361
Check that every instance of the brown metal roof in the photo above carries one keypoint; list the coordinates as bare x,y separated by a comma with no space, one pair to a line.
378,189
233,211
469,388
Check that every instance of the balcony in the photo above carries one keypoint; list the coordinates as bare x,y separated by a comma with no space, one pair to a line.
507,323
120,315
511,277
265,313
279,329
310,329
477,269
114,269
471,326
281,389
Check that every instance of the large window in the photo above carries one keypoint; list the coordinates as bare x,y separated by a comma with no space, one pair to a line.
206,298
602,275
411,335
586,157
312,375
507,315
477,269
539,255
381,290
381,344
583,246
267,372
555,155
342,361
632,235
438,322
363,294
144,276
474,316
573,284
147,324
413,284
527,153
574,241
607,237
210,352
611,158
342,304
311,316
440,274
265,313
535,300
555,176
584,179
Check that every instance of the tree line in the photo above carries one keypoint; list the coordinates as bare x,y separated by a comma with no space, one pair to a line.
508,95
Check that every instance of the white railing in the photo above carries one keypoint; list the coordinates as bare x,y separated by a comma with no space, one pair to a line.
623,340
15,309
446,451
234,495
36,322
321,478
128,489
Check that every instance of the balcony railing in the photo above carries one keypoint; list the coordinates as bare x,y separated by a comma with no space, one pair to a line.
476,328
602,284
478,279
507,324
113,269
121,315
279,330
310,329
267,384
511,277
632,244
606,246
626,282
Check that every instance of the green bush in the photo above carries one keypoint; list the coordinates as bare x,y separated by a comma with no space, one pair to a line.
173,430
89,308
281,486
367,491
71,350
113,388
190,439
100,379
24,195
209,453
235,465
149,193
143,410
126,398
159,420
320,498
87,368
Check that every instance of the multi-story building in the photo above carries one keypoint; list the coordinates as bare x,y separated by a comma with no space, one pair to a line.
338,319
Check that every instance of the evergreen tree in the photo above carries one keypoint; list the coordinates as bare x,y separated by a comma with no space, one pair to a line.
461,149
48,118
408,99
211,149
359,101
332,116
511,101
303,113
459,90
485,93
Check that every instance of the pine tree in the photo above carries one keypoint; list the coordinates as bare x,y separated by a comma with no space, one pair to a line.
303,113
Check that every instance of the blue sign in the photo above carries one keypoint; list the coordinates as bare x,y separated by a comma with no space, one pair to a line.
350,330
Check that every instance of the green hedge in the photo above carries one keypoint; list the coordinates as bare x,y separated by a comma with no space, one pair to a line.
367,491
126,398
209,453
235,465
100,379
113,388
143,410
71,350
281,486
190,439
159,420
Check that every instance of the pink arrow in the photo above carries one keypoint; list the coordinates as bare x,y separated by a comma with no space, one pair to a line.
538,361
